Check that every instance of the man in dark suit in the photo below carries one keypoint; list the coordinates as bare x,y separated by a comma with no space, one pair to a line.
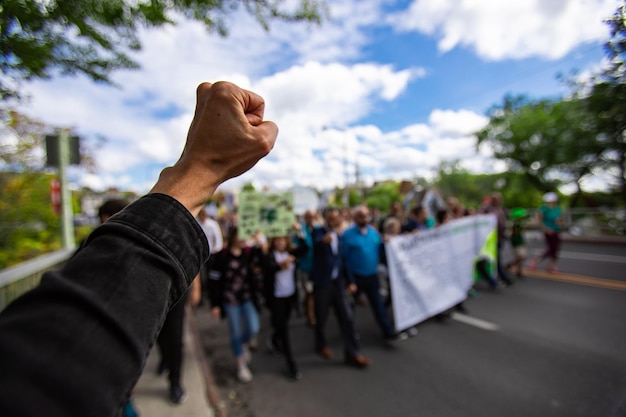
329,290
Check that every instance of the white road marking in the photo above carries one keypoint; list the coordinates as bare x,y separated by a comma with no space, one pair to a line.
473,321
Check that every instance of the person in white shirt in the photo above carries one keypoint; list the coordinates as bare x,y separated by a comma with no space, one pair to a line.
280,290
212,230
215,237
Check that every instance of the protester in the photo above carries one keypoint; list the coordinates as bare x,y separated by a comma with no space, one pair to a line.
395,211
232,292
280,292
107,210
517,241
391,228
361,245
304,265
550,220
76,344
455,209
211,228
170,344
329,291
416,221
494,206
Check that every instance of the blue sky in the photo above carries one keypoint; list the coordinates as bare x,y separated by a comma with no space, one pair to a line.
393,86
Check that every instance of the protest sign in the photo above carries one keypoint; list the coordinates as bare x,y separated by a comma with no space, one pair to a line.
433,270
270,214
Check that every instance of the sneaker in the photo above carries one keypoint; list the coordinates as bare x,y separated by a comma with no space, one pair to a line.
244,374
412,331
532,264
177,394
398,337
553,270
294,373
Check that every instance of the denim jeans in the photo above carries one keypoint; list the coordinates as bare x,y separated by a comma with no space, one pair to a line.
243,321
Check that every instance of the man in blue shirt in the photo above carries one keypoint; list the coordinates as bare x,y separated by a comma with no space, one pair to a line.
361,246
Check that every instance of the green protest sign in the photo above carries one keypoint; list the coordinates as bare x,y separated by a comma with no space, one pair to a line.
270,214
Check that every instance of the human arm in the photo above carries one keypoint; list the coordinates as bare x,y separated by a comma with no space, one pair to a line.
301,245
226,138
77,344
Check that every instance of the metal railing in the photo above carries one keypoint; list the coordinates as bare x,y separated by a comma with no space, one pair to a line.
18,279
589,222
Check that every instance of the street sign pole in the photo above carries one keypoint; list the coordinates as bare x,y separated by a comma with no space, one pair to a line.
67,218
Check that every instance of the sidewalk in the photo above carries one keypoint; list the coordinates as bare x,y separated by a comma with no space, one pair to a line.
151,397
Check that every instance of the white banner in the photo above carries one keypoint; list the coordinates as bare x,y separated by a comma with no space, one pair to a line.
433,270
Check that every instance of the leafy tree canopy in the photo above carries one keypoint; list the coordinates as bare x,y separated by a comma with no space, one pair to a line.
40,38
551,142
556,142
383,194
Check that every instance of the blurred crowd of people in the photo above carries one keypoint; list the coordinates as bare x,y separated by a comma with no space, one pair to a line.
335,260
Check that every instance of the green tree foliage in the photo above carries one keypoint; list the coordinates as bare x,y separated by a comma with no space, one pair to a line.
615,47
606,100
555,142
551,142
21,141
28,227
469,189
382,195
93,37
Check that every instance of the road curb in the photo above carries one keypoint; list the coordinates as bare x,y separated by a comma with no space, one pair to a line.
212,392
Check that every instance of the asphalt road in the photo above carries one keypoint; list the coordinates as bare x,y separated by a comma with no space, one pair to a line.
542,347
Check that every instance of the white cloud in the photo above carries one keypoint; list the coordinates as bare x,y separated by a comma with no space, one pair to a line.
509,29
315,86
316,95
457,123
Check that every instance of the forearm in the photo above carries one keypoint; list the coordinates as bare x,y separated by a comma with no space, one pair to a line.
62,344
183,183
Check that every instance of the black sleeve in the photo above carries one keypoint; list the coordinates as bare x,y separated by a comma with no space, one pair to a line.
301,248
76,344
318,234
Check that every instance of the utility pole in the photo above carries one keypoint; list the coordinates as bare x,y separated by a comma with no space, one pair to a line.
67,218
